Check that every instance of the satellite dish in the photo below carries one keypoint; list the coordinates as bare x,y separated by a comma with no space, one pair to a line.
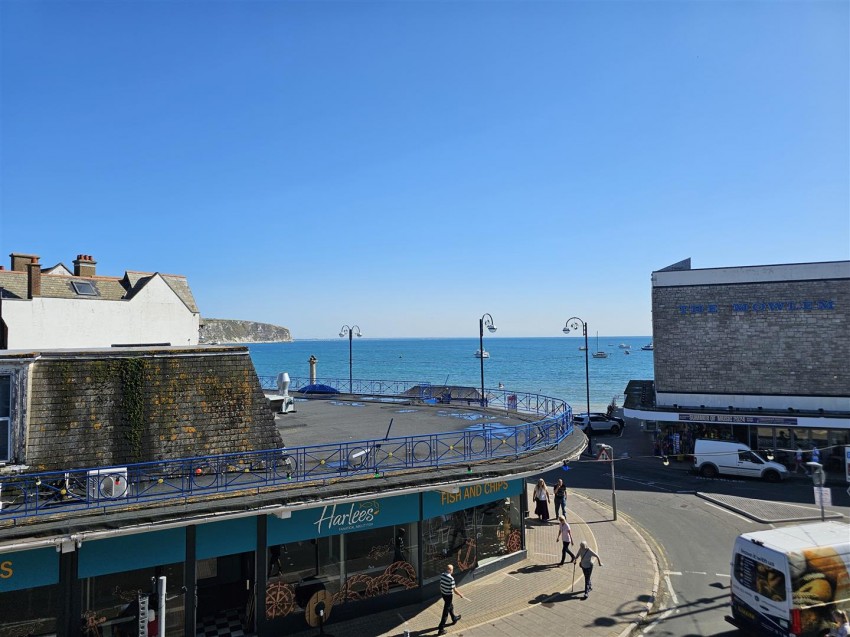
319,609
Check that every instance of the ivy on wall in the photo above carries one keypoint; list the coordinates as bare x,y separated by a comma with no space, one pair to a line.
132,372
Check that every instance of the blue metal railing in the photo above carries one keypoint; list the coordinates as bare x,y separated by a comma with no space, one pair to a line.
61,492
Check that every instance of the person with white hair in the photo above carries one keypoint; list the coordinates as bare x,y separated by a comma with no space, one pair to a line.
585,560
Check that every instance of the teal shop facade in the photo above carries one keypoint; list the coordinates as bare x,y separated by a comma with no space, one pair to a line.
359,554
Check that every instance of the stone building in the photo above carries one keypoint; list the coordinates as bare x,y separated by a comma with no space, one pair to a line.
758,354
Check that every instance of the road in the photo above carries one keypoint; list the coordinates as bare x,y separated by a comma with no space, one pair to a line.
692,536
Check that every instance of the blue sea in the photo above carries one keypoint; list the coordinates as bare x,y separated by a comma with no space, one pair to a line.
549,366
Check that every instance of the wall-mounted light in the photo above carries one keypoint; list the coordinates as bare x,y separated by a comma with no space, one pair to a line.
770,454
665,461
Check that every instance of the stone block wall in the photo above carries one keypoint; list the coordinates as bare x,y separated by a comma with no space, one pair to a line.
777,338
115,408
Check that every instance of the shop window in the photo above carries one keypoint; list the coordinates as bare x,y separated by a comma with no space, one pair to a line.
472,536
499,532
30,612
377,562
110,602
298,570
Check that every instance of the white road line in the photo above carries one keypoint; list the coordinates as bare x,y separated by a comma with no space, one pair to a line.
672,572
741,517
672,592
696,572
722,575
660,619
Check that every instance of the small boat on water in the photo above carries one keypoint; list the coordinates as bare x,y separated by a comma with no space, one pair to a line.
625,346
582,349
626,352
648,348
599,353
478,354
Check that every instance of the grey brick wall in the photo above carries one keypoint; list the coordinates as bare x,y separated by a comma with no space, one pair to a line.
708,346
111,409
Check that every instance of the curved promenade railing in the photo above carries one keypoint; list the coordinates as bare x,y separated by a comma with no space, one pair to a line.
63,492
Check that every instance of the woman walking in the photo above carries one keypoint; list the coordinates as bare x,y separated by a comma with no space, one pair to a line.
541,501
565,535
585,560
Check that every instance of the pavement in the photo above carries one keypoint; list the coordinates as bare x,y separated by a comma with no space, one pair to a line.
536,596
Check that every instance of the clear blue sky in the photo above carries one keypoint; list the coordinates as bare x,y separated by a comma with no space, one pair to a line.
408,166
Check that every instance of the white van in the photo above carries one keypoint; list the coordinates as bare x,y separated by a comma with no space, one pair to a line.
712,457
787,581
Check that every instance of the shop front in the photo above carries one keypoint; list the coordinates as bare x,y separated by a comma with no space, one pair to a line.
262,573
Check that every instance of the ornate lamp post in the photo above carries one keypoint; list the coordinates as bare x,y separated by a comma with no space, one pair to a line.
573,324
351,332
488,321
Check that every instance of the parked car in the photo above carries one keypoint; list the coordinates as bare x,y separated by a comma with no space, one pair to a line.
599,422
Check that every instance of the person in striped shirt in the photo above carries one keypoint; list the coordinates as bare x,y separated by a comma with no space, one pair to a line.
448,590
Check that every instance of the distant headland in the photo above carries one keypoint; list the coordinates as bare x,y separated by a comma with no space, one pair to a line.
215,331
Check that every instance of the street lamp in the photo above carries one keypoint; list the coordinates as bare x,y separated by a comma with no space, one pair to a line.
610,451
818,479
574,323
488,321
351,332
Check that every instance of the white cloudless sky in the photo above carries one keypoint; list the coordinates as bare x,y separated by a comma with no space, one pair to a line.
409,166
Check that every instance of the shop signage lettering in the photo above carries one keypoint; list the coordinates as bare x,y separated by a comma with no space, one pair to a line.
730,418
357,515
758,307
474,491
6,570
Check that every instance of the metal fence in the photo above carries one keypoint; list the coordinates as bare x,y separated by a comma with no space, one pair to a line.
61,492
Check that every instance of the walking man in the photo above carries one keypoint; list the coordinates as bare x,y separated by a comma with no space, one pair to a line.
448,590
565,535
585,557
561,498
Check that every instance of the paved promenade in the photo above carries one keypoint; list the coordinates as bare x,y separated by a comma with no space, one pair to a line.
537,597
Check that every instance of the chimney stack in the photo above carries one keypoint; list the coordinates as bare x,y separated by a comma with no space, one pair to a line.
33,278
84,265
21,261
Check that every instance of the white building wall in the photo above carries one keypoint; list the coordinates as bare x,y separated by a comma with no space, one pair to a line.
154,315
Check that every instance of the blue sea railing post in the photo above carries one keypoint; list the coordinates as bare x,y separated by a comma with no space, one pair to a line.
481,323
351,332
573,323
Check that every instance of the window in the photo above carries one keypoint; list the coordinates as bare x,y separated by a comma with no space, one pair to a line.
84,288
760,578
5,418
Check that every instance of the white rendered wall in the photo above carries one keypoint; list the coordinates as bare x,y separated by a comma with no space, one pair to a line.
154,315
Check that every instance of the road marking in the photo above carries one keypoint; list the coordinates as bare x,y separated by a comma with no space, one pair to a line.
660,619
672,592
741,517
672,572
697,572
643,482
722,575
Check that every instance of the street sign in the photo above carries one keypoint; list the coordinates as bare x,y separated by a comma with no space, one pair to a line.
823,496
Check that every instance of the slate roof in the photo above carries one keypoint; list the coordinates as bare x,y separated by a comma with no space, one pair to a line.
58,286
